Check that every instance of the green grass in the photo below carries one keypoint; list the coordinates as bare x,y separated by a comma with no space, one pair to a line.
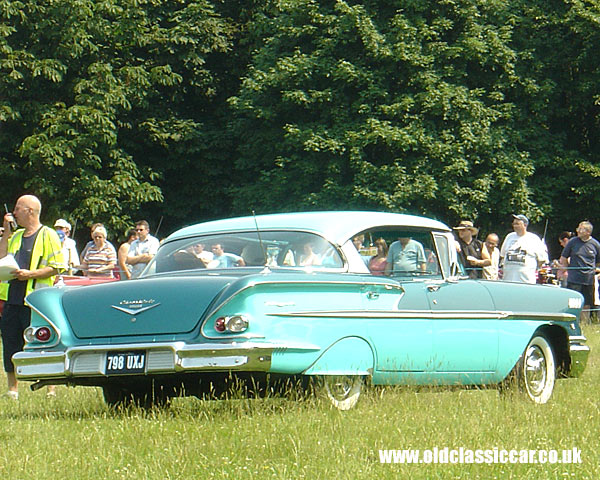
76,436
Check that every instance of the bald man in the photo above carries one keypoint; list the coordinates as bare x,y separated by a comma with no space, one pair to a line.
38,252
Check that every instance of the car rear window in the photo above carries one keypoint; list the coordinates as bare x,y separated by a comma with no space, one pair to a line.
277,249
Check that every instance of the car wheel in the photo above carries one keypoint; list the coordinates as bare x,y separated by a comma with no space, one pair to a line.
535,372
538,370
342,390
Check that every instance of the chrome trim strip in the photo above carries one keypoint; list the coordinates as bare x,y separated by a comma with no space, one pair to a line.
555,317
134,311
427,314
386,285
430,314
231,336
225,336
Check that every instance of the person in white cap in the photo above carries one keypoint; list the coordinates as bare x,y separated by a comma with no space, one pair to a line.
69,246
522,253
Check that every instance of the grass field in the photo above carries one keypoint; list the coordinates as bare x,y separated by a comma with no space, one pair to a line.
76,436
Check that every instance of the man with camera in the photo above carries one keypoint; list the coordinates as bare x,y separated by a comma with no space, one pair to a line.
522,253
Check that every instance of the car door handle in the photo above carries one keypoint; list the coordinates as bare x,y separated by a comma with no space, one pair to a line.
372,295
433,288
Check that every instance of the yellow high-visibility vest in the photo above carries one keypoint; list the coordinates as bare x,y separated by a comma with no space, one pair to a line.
46,252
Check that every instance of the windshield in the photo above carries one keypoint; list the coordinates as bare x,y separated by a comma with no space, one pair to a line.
274,248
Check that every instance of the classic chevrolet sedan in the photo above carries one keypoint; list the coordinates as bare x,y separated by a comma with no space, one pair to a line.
260,301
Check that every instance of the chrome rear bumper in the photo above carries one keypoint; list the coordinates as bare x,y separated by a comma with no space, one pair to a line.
161,358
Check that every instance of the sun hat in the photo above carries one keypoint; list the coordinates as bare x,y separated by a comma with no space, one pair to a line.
467,225
62,223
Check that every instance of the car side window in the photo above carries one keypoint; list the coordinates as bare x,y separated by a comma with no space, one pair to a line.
403,253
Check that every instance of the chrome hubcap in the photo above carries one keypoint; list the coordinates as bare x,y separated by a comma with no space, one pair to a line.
340,387
535,370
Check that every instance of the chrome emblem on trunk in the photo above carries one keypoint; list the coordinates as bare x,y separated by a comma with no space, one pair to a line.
134,307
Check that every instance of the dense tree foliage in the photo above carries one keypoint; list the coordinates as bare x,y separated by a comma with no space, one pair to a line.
404,109
100,100
559,122
179,111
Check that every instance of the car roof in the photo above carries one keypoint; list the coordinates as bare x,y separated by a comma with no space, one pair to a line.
335,226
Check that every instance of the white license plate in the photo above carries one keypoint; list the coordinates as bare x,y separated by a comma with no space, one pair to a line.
125,362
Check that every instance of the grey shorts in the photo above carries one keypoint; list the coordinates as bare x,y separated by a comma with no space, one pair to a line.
587,291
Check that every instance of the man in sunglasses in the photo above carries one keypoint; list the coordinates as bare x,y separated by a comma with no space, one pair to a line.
142,250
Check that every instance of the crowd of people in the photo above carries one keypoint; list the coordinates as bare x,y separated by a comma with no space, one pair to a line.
100,259
41,253
523,257
518,259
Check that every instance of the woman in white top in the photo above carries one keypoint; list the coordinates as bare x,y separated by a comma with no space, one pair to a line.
124,267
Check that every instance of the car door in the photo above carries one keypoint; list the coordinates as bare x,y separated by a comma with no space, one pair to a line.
464,327
399,327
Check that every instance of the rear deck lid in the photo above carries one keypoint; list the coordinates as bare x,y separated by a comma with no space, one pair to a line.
140,307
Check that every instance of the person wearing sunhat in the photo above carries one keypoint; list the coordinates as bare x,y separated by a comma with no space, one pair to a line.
69,247
522,253
470,249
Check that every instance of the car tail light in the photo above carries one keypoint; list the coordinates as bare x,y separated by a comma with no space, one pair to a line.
37,334
237,323
43,334
220,324
233,324
29,334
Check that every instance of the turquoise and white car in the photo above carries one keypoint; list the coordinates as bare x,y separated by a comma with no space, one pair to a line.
293,299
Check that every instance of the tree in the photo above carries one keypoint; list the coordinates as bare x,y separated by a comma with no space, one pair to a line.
401,107
98,98
559,118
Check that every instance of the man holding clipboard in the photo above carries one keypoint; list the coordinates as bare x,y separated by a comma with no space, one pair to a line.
37,252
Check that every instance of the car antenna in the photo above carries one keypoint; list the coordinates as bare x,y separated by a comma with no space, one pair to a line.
159,224
545,230
262,247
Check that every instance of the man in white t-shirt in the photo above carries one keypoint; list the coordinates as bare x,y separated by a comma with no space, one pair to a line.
143,249
522,253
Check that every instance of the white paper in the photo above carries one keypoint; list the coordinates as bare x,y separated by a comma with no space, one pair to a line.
8,265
